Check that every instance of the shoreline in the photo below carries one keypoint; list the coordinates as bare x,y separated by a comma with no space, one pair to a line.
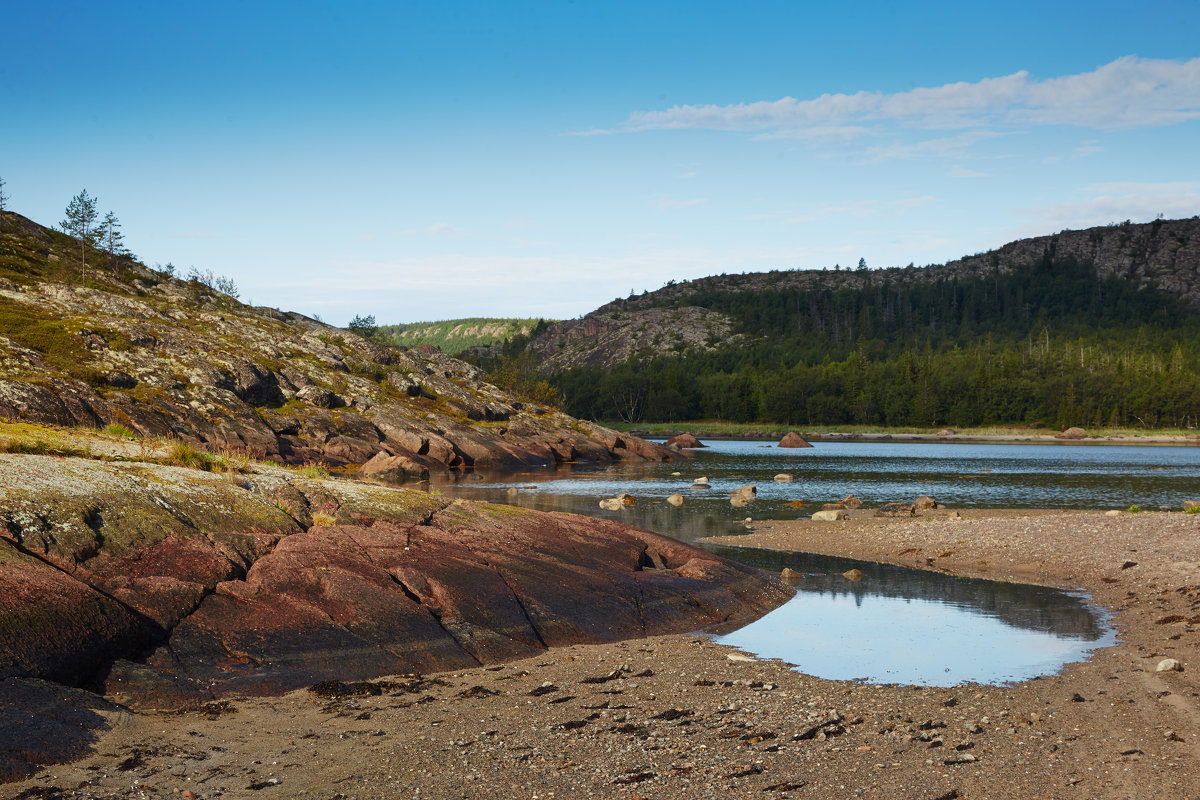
1154,440
677,717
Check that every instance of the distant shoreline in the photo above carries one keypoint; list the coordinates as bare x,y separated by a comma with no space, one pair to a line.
727,432
933,438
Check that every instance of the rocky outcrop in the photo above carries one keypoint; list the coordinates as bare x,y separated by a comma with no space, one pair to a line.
172,587
171,358
610,337
793,439
1072,433
685,441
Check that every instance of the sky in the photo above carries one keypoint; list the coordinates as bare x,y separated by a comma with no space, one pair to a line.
418,161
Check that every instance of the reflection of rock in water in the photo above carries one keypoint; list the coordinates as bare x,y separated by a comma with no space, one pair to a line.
1037,608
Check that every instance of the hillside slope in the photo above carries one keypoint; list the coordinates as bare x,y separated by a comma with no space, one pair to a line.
164,357
456,335
1090,327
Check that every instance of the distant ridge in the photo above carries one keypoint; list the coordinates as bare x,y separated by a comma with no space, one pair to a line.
1090,327
453,336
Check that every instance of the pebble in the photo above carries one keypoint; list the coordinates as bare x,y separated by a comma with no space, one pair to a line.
1169,665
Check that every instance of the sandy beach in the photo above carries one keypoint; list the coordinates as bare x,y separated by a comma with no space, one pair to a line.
683,717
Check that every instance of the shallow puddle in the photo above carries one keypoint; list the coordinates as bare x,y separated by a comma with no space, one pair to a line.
897,625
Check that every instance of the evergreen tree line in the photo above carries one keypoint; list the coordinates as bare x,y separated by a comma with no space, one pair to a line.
1052,343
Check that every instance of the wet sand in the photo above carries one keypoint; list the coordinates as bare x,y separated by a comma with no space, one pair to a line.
677,717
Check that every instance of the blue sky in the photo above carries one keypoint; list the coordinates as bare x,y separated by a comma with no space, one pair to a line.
427,161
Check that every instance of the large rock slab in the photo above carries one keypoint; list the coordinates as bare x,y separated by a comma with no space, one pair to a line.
197,587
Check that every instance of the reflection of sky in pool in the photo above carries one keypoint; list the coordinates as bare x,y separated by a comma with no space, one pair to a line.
904,640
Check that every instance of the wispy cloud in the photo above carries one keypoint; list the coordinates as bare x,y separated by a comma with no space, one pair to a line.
194,235
963,172
437,229
668,203
520,223
1130,92
857,208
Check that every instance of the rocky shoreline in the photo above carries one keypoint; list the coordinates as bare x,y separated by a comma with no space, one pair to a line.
679,716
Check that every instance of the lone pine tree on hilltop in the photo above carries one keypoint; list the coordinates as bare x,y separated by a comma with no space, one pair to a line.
80,223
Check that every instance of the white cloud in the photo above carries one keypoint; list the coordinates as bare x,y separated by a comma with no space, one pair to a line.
963,172
954,146
859,209
521,223
1127,93
667,203
194,235
437,229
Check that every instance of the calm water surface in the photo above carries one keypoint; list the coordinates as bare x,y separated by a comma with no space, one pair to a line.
896,625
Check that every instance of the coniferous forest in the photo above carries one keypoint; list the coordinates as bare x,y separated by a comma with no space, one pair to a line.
1051,343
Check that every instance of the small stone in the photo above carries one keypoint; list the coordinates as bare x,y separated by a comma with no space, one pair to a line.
790,574
1169,665
188,794
701,481
785,477
959,758
1113,513
853,575
829,516
675,500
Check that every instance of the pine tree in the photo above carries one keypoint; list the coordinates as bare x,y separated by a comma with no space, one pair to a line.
111,238
3,203
80,223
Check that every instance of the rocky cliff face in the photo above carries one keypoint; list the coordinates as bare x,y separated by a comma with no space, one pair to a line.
613,336
173,358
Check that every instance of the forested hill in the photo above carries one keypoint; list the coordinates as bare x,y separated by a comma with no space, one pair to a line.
455,335
1100,326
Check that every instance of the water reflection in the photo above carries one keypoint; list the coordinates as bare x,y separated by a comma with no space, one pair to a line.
1019,605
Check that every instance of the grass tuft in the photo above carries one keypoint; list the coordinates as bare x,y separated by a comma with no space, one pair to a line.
117,429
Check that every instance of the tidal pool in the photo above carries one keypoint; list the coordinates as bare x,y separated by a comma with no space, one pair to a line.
907,626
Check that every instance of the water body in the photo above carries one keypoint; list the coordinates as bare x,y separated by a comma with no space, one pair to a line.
959,475
906,626
896,625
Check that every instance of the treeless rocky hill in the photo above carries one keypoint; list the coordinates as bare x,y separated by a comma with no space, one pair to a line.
119,343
